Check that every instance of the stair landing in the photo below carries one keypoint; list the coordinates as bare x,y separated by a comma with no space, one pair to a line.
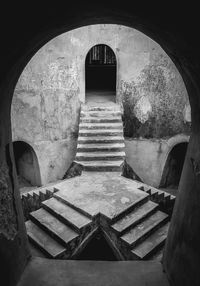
100,192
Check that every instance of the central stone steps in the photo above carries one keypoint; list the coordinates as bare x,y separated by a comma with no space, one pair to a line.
100,141
100,147
93,156
104,125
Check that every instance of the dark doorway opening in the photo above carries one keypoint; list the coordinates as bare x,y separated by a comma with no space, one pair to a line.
97,249
26,164
173,166
100,74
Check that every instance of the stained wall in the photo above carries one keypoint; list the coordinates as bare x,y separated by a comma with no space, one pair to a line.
48,95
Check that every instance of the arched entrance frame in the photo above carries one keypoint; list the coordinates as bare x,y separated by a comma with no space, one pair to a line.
83,96
185,63
113,49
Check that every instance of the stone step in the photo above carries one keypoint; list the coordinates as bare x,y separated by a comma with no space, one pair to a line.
58,230
101,166
134,217
92,156
59,196
66,214
100,114
100,132
115,125
108,119
146,227
100,147
100,139
115,107
43,241
151,243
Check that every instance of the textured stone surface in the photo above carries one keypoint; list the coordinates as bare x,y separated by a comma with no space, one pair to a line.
8,221
93,273
106,193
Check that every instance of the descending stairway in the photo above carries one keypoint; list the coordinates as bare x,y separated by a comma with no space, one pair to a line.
56,229
100,142
60,229
135,228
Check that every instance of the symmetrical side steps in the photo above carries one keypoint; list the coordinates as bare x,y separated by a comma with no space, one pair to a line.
59,229
56,229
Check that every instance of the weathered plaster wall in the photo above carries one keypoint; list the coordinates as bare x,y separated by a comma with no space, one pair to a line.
46,102
147,157
45,109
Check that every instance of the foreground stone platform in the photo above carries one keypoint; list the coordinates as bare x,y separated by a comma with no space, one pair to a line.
47,272
93,203
107,193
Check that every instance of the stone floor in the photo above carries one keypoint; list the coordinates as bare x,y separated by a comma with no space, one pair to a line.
96,97
45,272
99,192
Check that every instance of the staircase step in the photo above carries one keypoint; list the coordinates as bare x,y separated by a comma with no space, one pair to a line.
100,147
134,217
100,139
106,125
66,214
100,114
87,108
135,234
109,119
152,243
92,156
102,165
53,226
47,244
100,132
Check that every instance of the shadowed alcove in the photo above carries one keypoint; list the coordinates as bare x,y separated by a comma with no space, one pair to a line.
174,165
26,164
100,74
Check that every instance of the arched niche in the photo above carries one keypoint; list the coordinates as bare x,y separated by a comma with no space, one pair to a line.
26,164
174,165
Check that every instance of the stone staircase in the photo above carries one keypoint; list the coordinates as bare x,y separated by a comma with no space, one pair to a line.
61,228
57,229
100,141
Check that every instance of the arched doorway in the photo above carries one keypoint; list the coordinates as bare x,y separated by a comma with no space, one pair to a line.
100,74
173,166
26,164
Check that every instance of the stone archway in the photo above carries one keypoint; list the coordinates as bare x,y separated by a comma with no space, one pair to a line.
100,74
182,49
